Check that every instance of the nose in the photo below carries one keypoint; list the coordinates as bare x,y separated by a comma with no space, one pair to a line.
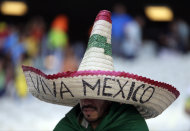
86,101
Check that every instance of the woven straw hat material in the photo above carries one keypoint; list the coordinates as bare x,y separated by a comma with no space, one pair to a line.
160,92
103,23
102,34
100,57
103,61
75,90
163,99
95,63
101,66
100,28
91,67
104,17
107,29
158,107
103,28
99,54
152,103
96,79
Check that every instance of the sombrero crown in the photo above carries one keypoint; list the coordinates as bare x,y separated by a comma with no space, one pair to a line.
96,79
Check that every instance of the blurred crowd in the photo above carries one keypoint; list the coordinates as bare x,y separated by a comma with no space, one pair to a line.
176,37
49,48
33,45
128,35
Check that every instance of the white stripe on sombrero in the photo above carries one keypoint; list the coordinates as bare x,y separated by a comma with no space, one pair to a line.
104,23
97,51
102,28
98,59
92,60
91,67
88,65
103,61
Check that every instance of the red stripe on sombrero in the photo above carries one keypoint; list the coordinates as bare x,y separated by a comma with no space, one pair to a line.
107,73
104,15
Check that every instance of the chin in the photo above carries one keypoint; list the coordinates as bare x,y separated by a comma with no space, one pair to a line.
91,119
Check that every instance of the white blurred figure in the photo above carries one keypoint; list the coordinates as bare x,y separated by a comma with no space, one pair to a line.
183,34
178,36
133,35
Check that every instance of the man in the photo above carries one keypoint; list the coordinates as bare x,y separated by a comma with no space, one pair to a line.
103,99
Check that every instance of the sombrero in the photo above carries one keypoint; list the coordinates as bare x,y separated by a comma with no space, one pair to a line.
96,79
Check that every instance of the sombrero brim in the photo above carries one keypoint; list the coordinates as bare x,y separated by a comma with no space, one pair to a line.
150,97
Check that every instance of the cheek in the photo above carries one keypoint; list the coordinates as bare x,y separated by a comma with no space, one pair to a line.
100,111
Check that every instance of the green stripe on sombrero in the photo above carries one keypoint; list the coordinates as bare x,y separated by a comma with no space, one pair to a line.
100,42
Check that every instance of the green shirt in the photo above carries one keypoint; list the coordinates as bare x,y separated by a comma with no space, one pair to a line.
121,117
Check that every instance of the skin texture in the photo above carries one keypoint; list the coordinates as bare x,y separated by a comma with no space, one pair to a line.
94,110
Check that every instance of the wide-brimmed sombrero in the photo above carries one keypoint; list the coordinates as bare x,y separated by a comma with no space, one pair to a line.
96,79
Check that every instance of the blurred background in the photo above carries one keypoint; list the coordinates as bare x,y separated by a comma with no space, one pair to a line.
149,38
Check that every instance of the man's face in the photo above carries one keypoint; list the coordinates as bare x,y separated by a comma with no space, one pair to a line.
93,109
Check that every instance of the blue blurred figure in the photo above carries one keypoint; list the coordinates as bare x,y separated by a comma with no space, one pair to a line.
120,19
14,45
